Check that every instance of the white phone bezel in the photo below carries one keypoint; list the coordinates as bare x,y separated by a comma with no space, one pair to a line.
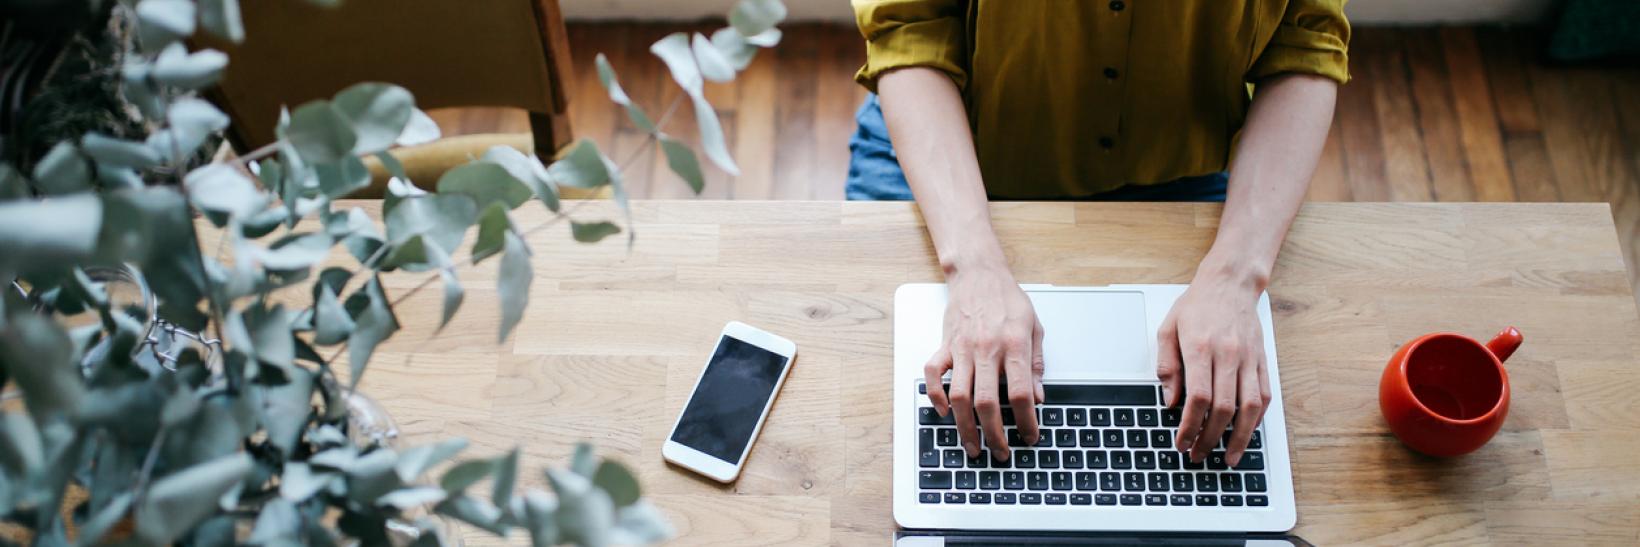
709,465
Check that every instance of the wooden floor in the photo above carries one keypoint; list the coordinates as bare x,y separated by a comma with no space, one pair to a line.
1449,114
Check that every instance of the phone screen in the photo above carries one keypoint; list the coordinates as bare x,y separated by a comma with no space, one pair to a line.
727,404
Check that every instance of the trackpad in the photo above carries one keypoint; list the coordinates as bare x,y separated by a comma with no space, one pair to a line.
1101,335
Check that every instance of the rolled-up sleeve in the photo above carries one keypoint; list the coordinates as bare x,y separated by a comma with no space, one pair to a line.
1313,38
902,33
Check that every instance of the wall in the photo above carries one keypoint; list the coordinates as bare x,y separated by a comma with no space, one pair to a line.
1361,11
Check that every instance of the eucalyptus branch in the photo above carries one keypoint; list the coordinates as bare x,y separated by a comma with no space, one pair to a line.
653,136
146,473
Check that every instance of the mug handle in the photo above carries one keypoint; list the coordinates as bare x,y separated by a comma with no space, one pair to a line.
1505,343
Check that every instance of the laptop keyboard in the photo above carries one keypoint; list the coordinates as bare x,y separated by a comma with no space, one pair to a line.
1109,445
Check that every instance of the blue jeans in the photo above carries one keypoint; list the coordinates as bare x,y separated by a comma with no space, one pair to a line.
874,172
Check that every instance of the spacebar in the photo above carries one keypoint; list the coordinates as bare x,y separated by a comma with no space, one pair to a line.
1127,395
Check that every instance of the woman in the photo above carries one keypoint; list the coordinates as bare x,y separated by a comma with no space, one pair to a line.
1137,100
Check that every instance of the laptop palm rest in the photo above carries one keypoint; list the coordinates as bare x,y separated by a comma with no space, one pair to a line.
1095,335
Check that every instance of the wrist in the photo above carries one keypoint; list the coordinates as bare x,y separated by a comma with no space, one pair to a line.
1234,271
974,263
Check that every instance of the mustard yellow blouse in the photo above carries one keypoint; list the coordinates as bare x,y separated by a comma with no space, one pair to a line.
1068,98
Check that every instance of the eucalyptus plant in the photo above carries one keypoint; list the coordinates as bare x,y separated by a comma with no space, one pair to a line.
211,410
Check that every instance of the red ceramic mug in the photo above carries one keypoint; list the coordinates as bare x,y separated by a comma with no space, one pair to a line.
1445,394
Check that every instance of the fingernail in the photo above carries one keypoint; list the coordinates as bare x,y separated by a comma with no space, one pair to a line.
1004,455
972,450
1185,446
1167,395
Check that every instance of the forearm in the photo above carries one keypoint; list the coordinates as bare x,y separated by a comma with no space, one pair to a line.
1269,176
929,126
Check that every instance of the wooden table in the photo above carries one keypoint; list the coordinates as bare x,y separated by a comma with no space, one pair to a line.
613,339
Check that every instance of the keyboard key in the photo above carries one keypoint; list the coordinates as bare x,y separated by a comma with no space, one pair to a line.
948,436
1081,499
1099,417
1124,417
1091,395
955,497
922,388
1113,438
1003,498
1258,501
1076,417
1144,459
1215,461
1064,437
1137,438
1088,437
1158,481
1255,482
1013,480
965,480
1104,499
999,464
954,458
1183,482
1155,499
1181,500
979,463
979,498
925,438
1168,459
1192,464
1121,459
1087,480
1110,481
1071,459
1044,438
990,480
1131,499
929,497
1030,499
1207,500
927,416
1147,417
1014,440
1251,461
1230,500
1257,442
929,458
1061,480
1008,416
1171,417
1053,416
1054,499
1098,459
934,480
1207,482
1133,481
1161,438
1025,459
1047,459
1037,480
1230,482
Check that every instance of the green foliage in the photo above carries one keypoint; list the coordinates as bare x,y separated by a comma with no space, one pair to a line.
201,411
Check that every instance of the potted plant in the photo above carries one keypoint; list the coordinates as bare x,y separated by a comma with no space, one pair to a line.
161,391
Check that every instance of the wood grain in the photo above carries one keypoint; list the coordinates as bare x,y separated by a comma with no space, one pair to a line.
612,341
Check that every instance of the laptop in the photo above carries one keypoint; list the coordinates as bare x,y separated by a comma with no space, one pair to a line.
1105,465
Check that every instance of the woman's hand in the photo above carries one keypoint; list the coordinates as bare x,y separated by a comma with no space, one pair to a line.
1212,346
991,333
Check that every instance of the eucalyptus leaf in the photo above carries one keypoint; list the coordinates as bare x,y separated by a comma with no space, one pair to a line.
23,453
109,151
296,251
714,66
287,408
420,130
734,47
320,134
754,17
263,222
195,115
473,511
593,232
680,61
681,159
221,18
343,177
374,323
372,476
393,166
331,324
514,283
270,332
176,67
640,523
407,498
378,112
220,188
464,474
50,381
444,218
417,254
453,295
540,517
493,225
33,235
769,38
486,182
62,171
583,462
582,166
606,76
417,460
506,477
585,515
711,136
300,481
277,524
175,503
340,458
92,530
160,22
12,184
615,479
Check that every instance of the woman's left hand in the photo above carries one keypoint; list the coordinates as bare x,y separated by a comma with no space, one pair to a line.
1211,349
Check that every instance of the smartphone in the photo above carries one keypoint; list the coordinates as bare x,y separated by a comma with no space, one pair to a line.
731,399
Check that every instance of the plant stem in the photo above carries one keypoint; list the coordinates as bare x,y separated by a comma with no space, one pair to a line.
265,151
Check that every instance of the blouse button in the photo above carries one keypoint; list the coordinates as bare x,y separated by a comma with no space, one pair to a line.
1110,73
1106,143
1117,5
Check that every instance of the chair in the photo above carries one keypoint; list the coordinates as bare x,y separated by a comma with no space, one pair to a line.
511,53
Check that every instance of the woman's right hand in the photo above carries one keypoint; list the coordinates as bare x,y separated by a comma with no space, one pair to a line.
991,334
